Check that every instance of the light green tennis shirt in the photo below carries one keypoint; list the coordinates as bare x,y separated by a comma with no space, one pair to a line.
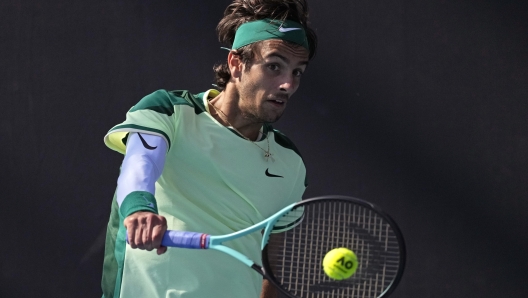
213,182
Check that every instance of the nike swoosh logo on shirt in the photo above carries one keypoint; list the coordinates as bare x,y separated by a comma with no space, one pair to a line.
272,175
145,144
150,204
288,29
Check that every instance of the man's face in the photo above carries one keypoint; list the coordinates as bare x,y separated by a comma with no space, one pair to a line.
267,84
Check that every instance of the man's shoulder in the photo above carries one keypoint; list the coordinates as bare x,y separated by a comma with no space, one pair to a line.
282,140
164,101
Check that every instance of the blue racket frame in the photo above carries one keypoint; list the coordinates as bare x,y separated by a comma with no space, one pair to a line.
193,240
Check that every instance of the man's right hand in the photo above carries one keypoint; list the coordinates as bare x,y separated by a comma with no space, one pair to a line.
145,231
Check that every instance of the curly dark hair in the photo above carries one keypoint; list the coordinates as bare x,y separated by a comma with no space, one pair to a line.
243,11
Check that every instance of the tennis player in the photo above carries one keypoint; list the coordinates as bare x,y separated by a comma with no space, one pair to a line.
210,162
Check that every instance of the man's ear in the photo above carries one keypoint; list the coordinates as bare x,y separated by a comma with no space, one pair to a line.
235,64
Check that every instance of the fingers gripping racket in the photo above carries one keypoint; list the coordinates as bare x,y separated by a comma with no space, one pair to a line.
292,261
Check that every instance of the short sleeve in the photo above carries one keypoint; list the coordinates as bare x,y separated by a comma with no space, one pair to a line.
154,114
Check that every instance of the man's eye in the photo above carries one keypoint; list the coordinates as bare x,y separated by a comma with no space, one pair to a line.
273,67
297,73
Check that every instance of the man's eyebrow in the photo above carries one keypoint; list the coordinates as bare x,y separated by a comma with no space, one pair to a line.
285,59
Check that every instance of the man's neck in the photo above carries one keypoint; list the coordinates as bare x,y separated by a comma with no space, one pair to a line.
226,110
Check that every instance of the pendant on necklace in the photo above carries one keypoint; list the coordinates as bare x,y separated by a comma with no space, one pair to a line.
268,155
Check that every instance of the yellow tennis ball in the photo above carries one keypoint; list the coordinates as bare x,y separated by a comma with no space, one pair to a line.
340,263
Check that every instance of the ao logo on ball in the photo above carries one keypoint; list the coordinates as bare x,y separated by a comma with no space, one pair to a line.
346,263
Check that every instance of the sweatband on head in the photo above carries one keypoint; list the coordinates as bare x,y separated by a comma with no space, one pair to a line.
265,29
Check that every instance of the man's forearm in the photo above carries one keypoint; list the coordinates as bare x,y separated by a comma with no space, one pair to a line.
268,290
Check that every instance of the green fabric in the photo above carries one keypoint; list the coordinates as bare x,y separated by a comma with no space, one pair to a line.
265,29
213,182
114,254
138,128
285,142
153,114
138,201
120,251
159,102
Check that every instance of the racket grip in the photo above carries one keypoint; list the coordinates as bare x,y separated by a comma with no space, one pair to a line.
185,239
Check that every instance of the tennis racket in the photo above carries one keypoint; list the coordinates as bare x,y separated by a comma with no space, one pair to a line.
307,230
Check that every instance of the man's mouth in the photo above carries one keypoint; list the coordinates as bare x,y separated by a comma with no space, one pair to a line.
279,100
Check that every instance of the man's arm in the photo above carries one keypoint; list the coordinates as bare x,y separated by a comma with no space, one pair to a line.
268,290
142,166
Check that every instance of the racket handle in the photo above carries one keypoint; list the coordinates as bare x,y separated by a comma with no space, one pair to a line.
185,239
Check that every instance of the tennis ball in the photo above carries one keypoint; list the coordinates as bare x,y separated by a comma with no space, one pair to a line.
340,263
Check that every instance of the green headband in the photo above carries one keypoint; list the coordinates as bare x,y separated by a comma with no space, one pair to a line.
288,30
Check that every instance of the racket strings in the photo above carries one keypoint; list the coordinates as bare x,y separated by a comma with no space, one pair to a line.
296,260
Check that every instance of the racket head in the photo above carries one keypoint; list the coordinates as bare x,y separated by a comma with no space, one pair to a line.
292,259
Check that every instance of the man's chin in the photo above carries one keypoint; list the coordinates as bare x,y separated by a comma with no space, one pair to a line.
265,116
274,116
273,119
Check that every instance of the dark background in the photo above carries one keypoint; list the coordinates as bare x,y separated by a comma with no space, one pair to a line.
417,106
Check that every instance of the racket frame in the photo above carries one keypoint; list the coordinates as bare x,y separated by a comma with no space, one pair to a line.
268,273
216,242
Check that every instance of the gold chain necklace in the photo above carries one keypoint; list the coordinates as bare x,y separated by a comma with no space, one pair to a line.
267,154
